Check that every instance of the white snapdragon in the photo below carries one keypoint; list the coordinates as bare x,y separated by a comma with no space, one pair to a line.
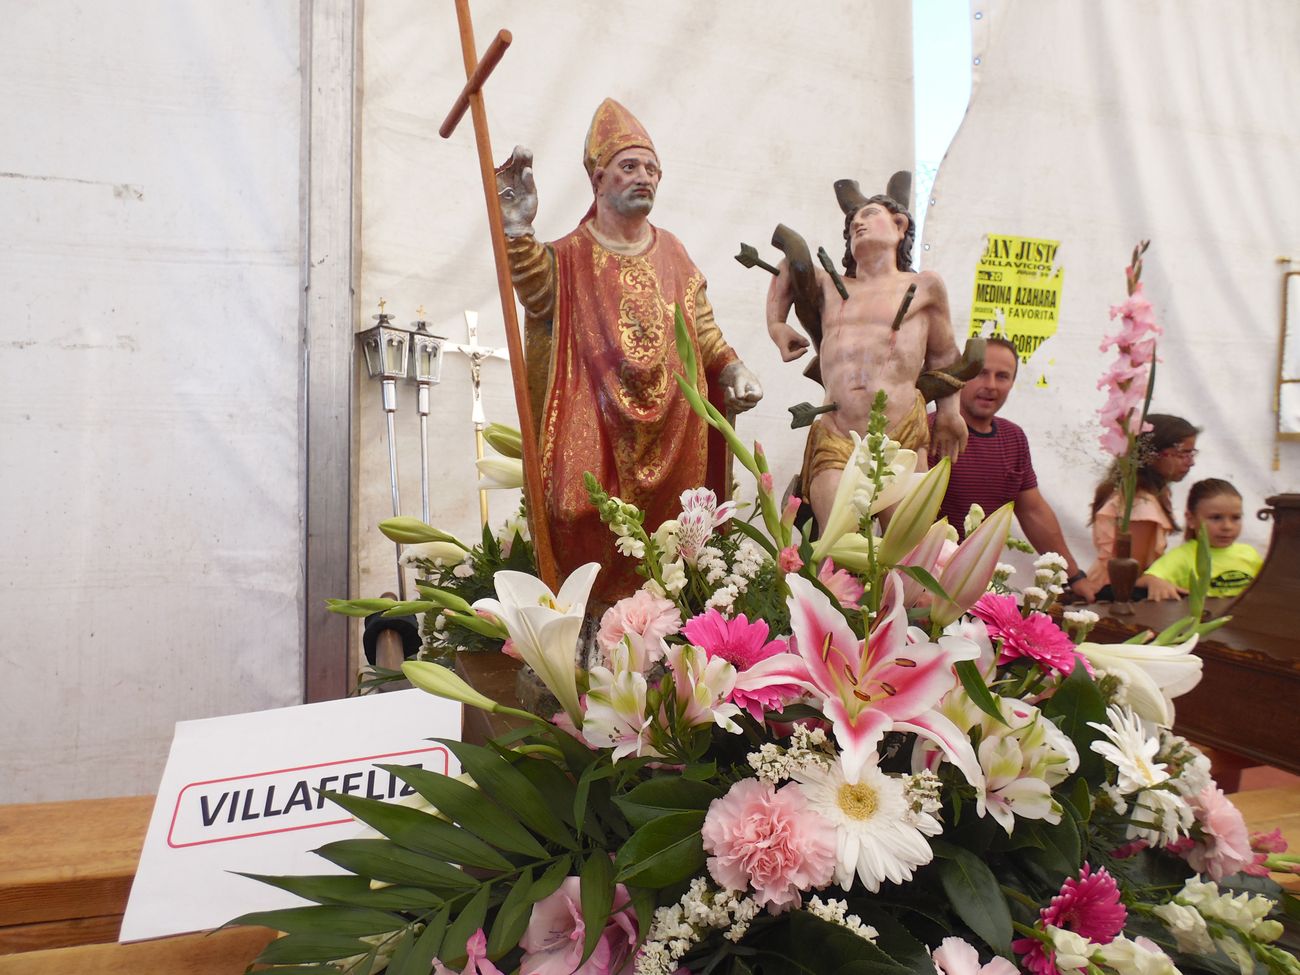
1160,816
1136,957
974,518
1188,927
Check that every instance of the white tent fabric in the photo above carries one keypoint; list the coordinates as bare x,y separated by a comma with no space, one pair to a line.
150,546
1105,123
755,109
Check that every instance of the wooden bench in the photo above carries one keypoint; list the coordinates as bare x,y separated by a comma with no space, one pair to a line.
65,873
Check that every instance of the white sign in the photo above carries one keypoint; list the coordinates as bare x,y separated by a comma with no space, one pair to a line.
240,793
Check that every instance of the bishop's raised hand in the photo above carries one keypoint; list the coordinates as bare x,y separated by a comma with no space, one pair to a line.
517,193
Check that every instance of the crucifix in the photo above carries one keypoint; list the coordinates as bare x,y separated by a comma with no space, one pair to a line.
471,97
477,354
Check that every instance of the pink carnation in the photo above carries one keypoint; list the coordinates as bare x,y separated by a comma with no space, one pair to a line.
644,614
1089,906
1224,847
769,840
1034,636
553,941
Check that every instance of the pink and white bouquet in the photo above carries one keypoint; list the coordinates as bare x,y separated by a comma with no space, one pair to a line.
779,758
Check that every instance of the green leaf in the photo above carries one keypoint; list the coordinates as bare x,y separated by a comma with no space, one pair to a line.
423,832
1076,702
512,917
551,781
751,532
663,852
297,948
420,958
453,951
346,921
977,690
973,891
1059,851
471,809
652,798
597,897
327,889
685,348
644,901
385,860
807,945
926,580
549,882
500,780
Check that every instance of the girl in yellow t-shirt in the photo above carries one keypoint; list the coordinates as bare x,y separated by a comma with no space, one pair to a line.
1215,504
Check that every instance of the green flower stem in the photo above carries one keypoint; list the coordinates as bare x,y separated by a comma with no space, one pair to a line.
1019,896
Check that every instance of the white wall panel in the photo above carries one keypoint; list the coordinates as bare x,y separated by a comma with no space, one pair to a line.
149,381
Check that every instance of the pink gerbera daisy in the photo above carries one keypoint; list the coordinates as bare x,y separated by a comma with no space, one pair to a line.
1089,906
768,675
1034,636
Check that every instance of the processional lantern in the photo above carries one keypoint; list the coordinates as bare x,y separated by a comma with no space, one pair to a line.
387,350
426,358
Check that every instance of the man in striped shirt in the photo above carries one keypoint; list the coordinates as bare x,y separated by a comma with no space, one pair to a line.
996,466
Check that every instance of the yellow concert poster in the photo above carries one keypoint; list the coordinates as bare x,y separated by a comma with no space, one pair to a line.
1017,291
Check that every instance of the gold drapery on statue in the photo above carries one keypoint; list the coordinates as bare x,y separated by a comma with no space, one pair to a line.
601,376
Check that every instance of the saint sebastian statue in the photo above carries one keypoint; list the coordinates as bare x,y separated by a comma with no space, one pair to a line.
863,347
601,349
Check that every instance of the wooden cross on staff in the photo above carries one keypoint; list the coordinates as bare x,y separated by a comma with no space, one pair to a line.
477,354
471,97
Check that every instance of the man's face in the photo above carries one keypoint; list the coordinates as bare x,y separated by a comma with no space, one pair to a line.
875,223
629,182
983,396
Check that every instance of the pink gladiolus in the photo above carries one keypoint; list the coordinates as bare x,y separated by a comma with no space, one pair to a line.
789,512
767,674
1224,845
879,684
957,957
1273,842
966,576
788,560
478,964
553,941
844,586
925,556
642,613
766,483
769,840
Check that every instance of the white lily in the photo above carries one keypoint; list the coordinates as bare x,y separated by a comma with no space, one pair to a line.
1156,675
544,627
500,472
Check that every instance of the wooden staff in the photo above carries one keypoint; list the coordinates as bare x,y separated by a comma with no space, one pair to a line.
476,73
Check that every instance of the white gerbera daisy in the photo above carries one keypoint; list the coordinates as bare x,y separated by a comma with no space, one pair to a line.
1131,750
875,833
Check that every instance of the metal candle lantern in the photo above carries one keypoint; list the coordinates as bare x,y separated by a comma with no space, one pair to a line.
426,350
387,351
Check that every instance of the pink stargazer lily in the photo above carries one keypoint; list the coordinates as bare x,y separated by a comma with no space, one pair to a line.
882,683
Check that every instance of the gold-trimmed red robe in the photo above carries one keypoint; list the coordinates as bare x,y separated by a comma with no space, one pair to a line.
602,353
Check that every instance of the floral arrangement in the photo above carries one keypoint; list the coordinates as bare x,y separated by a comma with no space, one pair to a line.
847,757
1129,382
